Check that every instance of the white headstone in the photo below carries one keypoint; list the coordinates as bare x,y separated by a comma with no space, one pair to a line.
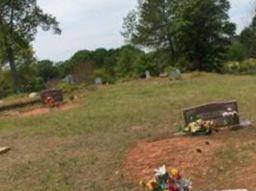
147,74
98,81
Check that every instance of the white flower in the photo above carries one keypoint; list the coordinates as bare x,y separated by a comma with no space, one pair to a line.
225,114
160,171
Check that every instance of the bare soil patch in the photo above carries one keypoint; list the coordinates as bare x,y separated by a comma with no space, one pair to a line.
196,158
39,110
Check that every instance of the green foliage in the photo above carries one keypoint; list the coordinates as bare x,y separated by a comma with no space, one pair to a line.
169,69
203,31
46,70
231,67
126,59
5,83
237,52
194,30
104,75
248,39
248,66
19,23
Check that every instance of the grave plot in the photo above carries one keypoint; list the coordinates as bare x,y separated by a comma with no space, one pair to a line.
205,118
48,101
194,156
211,163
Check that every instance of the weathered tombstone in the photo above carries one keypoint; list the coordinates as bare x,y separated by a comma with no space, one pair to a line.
147,74
213,111
69,79
175,75
98,81
53,93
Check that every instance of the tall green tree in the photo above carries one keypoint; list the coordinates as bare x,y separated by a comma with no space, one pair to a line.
248,38
19,22
203,32
151,25
198,31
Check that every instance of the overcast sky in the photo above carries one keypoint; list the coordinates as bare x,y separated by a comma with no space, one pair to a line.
91,24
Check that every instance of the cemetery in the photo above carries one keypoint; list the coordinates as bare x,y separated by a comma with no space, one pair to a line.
175,137
132,95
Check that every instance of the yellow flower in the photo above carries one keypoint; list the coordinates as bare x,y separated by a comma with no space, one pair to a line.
174,172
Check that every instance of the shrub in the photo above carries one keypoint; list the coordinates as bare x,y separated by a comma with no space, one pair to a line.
231,67
248,66
104,75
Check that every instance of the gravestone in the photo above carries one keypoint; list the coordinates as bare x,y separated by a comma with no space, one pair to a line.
57,95
69,79
98,81
147,74
213,111
175,75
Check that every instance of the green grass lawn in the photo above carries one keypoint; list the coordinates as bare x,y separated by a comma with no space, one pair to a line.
83,149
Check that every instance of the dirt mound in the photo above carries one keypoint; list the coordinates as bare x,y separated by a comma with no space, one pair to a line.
192,156
38,110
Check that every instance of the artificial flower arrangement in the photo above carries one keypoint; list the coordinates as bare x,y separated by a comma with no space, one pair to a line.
230,116
50,102
200,127
167,181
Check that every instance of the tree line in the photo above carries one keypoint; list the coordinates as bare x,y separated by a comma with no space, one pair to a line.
192,35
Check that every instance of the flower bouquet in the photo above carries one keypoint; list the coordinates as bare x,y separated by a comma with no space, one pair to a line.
167,181
231,117
50,102
200,127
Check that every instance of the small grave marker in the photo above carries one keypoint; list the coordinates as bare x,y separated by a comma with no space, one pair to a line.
69,79
213,111
175,75
148,75
98,81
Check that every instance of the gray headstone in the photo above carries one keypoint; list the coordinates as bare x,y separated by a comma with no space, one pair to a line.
69,79
98,81
147,74
175,75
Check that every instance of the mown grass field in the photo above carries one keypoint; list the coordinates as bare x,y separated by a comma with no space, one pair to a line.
83,149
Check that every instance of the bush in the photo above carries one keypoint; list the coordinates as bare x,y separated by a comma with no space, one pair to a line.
248,66
104,75
71,88
169,69
236,52
232,67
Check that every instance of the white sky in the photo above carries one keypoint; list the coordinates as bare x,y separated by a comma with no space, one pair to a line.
91,24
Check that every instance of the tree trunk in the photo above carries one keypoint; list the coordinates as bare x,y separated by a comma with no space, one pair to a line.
10,53
13,68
